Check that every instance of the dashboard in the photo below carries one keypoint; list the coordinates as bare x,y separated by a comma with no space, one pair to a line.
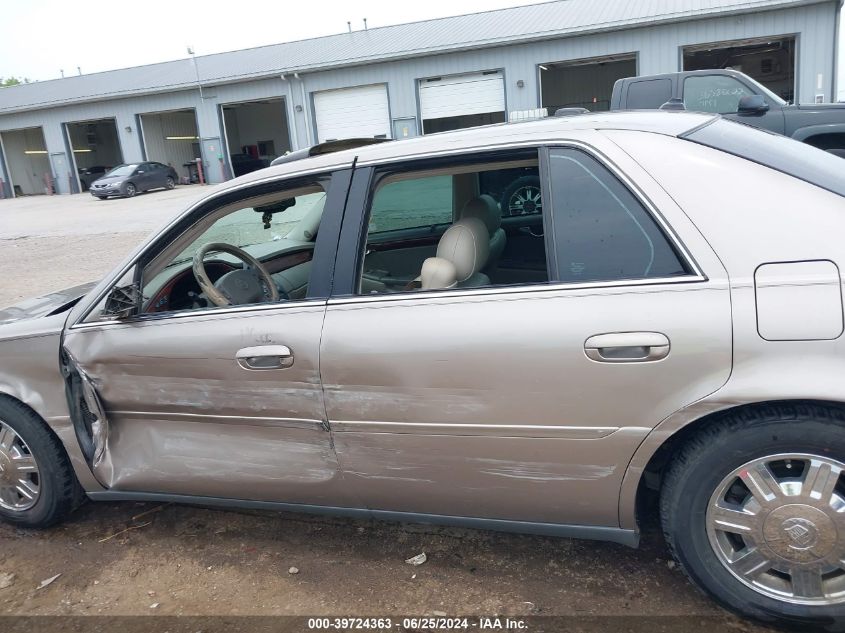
289,270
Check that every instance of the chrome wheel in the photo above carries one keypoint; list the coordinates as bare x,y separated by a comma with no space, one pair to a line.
20,483
778,525
525,201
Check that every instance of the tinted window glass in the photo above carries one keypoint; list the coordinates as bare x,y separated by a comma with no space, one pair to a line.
601,231
713,93
433,232
648,95
412,203
786,155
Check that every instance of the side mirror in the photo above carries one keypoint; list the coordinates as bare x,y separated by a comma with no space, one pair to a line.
122,302
752,104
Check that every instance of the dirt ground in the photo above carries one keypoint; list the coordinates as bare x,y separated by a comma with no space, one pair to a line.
141,559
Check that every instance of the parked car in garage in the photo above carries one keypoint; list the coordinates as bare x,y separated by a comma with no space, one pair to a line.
362,333
88,175
736,96
127,180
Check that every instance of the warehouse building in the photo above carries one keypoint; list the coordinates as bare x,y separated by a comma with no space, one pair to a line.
237,111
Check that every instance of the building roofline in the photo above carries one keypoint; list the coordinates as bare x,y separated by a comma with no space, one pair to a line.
687,14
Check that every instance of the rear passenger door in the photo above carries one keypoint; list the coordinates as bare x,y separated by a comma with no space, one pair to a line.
524,401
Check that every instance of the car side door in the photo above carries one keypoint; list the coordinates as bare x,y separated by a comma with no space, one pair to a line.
195,400
525,401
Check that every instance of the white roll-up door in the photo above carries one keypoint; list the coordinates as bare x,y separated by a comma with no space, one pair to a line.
360,112
460,95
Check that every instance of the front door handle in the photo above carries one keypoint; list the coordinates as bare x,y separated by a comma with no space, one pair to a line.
265,357
627,347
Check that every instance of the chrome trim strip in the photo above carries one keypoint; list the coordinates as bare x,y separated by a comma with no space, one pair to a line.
631,538
506,290
290,423
486,430
155,317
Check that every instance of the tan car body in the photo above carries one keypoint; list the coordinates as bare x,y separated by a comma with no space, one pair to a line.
473,406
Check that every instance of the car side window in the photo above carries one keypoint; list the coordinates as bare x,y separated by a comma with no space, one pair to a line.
442,228
713,93
251,251
601,230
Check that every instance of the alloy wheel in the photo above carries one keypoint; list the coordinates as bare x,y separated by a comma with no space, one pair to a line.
20,482
526,200
777,523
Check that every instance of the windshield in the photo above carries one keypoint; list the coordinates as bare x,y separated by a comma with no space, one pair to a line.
786,155
122,170
245,228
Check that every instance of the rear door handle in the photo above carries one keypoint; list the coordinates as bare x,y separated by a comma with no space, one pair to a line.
627,347
265,357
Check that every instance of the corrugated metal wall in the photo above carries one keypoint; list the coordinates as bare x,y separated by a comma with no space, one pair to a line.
658,50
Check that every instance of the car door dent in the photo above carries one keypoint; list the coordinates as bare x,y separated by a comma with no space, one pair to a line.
219,433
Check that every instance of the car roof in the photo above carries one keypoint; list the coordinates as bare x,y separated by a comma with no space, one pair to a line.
540,131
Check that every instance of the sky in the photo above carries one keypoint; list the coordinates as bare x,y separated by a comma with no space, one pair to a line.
97,36
100,36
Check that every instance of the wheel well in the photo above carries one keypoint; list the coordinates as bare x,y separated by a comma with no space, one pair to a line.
20,403
827,141
652,479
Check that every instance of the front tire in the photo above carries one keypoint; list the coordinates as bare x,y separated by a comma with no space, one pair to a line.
129,190
169,183
753,509
37,485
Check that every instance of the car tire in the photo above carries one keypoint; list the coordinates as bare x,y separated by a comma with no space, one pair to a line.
744,560
129,190
23,435
169,183
521,192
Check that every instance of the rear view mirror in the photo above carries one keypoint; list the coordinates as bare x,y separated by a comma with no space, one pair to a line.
122,302
752,104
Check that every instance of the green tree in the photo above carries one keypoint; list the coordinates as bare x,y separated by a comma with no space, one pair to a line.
13,81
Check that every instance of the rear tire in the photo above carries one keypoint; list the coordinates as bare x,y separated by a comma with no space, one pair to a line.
763,550
25,439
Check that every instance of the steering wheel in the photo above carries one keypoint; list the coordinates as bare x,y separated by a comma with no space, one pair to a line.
250,284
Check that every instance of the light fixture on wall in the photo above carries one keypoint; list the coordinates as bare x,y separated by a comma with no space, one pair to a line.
35,151
298,108
543,67
520,84
128,129
82,151
181,138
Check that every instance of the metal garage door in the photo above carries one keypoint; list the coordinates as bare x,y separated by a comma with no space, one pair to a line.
460,95
352,113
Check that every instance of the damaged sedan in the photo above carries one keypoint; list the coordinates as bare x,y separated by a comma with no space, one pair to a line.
362,330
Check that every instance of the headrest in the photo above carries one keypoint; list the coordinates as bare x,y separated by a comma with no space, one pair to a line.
466,244
486,209
438,273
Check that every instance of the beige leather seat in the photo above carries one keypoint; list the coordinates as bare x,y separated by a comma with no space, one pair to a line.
486,209
461,254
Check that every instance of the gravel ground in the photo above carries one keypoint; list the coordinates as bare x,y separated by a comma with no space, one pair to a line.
134,559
